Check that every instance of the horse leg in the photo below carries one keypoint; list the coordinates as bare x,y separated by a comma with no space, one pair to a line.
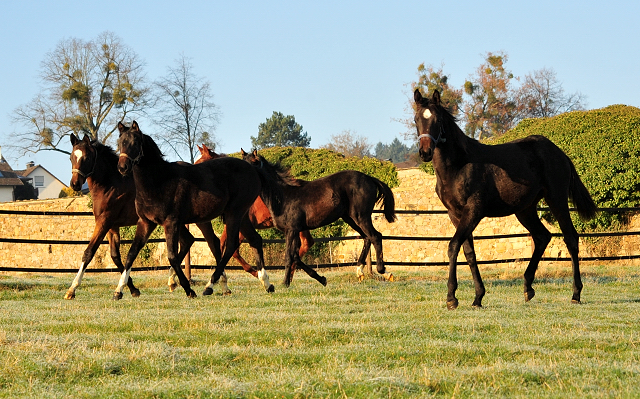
114,244
364,227
541,238
98,235
255,241
470,255
144,228
312,273
464,228
232,242
570,234
179,241
214,244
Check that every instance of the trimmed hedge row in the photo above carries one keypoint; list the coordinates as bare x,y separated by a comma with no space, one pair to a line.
604,145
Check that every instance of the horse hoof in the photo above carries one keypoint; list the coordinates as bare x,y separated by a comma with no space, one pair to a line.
529,295
117,296
576,301
477,305
227,292
70,295
323,280
172,287
390,277
135,292
453,304
207,291
191,294
361,278
271,288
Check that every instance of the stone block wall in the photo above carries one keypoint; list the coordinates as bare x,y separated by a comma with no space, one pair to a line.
416,192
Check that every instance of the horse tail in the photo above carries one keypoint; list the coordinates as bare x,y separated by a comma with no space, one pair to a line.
385,195
580,196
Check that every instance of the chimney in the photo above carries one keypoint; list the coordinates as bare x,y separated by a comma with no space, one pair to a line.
30,164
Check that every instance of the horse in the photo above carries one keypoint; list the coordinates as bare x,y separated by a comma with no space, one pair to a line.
173,194
298,205
259,216
113,199
474,180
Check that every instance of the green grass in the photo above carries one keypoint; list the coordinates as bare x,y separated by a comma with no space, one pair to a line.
358,340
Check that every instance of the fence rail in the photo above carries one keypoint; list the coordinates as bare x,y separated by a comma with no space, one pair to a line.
324,239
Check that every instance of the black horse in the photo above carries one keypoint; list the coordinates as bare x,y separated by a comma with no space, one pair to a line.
298,205
476,180
172,194
113,199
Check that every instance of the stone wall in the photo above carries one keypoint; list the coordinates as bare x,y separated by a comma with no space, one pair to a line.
416,192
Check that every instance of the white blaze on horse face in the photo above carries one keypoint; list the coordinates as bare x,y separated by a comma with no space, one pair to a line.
78,154
426,114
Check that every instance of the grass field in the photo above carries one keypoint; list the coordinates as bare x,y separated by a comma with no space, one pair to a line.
372,339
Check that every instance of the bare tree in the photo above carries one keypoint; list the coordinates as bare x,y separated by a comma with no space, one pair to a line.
87,88
541,95
186,111
430,79
349,144
492,108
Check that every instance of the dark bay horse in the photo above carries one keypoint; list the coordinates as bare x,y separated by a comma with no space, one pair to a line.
113,197
298,205
173,194
259,216
476,180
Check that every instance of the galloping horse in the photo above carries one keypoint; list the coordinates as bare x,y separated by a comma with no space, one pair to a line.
259,216
476,180
298,205
113,197
173,194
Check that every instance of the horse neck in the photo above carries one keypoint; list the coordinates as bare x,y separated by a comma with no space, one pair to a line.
272,191
105,173
451,155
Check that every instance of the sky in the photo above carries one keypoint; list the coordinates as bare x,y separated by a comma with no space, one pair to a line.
333,65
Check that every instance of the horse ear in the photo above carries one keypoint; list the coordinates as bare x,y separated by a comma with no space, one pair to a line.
436,97
134,126
200,148
121,127
242,152
417,96
74,139
255,153
86,139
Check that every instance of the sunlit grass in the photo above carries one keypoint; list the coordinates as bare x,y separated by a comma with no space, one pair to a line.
349,339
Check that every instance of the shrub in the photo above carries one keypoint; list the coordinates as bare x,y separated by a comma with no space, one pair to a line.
604,145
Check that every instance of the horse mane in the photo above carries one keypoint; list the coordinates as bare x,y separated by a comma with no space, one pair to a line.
150,147
283,176
105,152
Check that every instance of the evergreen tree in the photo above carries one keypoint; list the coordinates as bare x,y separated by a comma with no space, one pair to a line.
280,131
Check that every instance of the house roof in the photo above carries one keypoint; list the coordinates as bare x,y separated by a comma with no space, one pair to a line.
8,177
29,170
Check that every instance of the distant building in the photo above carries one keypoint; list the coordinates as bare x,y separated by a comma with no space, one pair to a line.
47,184
34,182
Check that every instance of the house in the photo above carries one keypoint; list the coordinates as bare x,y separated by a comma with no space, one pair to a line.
47,184
13,186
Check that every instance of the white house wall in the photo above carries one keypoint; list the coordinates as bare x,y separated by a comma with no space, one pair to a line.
6,194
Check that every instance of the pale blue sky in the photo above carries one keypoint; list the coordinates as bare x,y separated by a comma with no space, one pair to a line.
334,65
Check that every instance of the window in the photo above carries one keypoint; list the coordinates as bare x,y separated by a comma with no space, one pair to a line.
39,181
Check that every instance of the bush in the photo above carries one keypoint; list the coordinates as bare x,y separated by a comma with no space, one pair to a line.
604,145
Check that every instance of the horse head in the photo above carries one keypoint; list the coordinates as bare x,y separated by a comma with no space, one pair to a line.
130,147
428,123
206,154
83,161
253,158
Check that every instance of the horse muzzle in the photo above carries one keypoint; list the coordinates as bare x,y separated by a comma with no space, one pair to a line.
124,166
426,155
